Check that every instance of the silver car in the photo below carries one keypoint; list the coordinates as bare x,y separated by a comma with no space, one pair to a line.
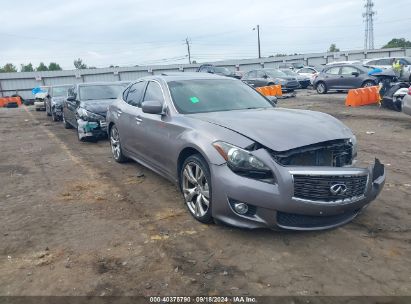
237,158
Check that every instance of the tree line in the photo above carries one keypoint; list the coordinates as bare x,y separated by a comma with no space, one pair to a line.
53,66
79,64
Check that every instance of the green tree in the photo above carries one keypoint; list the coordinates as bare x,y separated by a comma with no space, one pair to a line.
78,64
54,67
27,68
397,43
42,67
8,68
333,48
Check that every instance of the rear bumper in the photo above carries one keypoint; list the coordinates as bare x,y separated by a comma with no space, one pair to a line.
275,205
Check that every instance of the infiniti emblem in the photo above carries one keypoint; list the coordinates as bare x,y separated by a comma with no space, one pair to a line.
338,189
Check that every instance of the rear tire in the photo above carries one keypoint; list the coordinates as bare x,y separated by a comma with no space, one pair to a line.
321,88
54,117
195,184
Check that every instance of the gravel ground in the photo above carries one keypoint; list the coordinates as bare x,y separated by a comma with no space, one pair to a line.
74,222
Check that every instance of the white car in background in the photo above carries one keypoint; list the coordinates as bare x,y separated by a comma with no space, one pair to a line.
40,99
345,62
309,72
386,63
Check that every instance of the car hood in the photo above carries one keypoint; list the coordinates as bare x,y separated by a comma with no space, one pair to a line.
99,106
280,129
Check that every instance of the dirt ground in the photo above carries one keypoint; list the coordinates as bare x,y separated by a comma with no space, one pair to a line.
74,222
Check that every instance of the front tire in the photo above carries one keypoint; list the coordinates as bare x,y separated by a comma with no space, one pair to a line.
195,181
368,84
66,124
115,145
54,117
321,88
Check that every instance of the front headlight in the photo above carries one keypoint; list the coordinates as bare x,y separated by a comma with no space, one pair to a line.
353,141
88,116
243,163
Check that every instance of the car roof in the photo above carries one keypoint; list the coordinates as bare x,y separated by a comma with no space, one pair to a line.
173,76
101,83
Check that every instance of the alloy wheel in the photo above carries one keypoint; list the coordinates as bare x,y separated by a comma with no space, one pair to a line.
115,143
321,88
196,189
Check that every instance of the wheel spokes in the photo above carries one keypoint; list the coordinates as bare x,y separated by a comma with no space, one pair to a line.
188,173
189,194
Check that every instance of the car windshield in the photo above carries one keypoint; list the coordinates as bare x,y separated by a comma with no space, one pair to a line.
211,95
275,73
59,91
95,92
222,70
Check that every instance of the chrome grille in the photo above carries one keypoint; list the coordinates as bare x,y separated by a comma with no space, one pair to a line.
318,187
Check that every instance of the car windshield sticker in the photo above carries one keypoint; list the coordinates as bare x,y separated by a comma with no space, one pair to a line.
194,99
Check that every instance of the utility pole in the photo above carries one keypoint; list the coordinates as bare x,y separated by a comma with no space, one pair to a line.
188,50
259,43
369,25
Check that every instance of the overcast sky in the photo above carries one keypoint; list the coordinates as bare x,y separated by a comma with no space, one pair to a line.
134,32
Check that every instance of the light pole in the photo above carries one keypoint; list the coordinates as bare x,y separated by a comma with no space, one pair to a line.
258,36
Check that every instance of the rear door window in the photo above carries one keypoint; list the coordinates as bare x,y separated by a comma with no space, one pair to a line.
252,74
333,71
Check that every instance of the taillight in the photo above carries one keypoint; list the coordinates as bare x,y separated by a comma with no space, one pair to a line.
409,91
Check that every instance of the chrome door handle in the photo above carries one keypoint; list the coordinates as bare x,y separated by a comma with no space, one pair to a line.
138,120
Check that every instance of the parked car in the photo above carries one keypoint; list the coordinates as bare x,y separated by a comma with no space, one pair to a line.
304,81
237,158
266,77
291,65
386,63
406,103
344,62
40,98
310,72
54,101
222,71
86,105
343,77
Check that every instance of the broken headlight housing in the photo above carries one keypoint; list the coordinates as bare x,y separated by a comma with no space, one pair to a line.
88,116
243,163
353,141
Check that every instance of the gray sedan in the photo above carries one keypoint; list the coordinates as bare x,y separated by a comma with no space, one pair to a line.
343,77
239,160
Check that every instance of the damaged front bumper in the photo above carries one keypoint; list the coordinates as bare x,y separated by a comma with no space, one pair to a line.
303,198
91,129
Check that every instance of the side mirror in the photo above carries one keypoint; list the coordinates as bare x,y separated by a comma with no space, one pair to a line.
265,76
152,107
210,72
71,98
356,74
